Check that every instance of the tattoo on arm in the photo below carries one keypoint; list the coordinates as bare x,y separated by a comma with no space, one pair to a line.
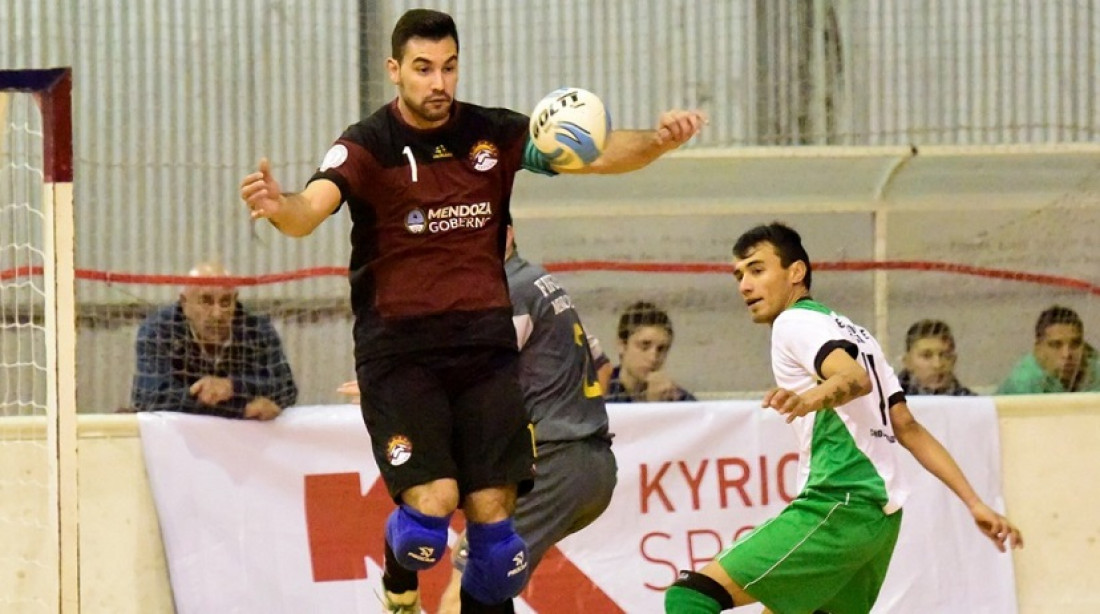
841,395
831,401
854,390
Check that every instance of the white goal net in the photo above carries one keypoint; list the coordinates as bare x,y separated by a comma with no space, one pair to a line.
37,379
24,371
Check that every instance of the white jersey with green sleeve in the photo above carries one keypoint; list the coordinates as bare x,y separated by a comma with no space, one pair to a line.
849,450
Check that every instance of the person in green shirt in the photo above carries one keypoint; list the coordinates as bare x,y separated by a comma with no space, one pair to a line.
1061,360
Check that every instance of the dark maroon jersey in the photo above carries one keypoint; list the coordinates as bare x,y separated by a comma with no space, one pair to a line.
429,210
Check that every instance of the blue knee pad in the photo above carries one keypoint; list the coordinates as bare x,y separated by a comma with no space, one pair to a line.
497,566
418,540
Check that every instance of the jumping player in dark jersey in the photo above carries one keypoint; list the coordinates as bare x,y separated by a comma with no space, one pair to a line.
427,181
559,372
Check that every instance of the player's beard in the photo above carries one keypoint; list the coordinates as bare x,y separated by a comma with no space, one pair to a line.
434,108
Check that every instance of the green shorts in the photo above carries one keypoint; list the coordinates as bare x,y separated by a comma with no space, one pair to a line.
817,554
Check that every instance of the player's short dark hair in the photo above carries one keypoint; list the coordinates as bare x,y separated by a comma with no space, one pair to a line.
642,313
1057,315
421,23
787,243
924,329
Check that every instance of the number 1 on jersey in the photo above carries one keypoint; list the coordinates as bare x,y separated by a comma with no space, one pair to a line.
877,383
412,161
592,390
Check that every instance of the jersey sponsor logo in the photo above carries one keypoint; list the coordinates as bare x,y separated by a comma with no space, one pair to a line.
441,151
414,221
453,217
548,285
335,156
453,211
881,434
399,450
484,155
858,334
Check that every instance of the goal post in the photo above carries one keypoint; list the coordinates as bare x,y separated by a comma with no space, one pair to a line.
51,582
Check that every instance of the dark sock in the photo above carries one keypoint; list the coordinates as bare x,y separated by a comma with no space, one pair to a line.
396,578
473,606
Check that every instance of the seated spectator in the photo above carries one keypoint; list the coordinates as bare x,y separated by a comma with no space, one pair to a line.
929,361
205,354
1061,360
645,336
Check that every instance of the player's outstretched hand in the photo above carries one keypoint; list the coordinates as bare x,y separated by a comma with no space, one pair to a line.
676,127
788,403
261,192
351,389
996,527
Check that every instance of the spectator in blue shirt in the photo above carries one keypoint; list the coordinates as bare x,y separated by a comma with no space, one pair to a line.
205,354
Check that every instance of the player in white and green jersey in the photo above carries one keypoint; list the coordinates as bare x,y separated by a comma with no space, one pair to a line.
849,451
829,550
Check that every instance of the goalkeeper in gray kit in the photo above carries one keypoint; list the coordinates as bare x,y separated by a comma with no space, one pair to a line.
562,372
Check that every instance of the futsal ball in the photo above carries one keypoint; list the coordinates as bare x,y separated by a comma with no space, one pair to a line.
570,125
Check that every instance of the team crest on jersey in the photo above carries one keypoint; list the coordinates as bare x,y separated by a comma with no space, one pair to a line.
414,221
484,155
399,450
335,156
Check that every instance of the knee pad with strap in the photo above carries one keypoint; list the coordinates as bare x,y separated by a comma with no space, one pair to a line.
497,566
694,592
417,540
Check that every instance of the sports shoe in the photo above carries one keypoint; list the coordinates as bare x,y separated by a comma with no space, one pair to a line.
401,603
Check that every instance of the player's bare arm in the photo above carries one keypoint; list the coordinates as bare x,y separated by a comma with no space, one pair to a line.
931,454
629,150
294,214
844,380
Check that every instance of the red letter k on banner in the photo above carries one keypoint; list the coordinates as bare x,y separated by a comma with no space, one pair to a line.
343,525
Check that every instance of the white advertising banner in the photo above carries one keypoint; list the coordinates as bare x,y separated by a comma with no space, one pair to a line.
288,516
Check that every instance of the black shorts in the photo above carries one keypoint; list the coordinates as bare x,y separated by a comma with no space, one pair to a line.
455,413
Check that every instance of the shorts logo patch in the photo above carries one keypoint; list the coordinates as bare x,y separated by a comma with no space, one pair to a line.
335,156
414,221
484,155
399,450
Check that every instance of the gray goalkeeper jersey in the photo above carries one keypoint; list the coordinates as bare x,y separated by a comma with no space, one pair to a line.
557,364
